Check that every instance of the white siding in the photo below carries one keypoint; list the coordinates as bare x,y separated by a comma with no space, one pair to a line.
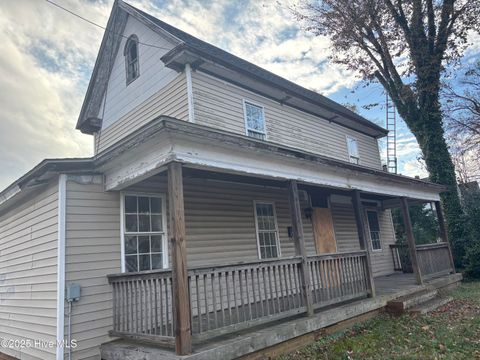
220,105
92,252
382,261
153,74
28,272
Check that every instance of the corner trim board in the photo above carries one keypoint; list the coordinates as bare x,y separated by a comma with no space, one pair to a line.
62,191
191,108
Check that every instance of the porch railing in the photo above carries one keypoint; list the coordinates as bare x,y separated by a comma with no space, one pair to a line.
434,259
401,258
338,277
227,298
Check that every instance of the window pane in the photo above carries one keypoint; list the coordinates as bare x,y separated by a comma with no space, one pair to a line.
130,244
157,223
143,244
373,221
131,224
144,262
156,205
143,205
131,204
254,115
156,243
157,261
131,263
144,223
352,147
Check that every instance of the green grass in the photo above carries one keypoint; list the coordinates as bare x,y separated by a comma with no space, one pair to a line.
451,332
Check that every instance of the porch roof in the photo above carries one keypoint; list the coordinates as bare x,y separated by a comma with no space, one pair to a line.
203,147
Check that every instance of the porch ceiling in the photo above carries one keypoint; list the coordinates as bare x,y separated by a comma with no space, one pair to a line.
146,152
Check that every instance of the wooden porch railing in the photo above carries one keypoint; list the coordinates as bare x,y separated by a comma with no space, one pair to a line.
434,260
142,306
228,298
401,258
338,277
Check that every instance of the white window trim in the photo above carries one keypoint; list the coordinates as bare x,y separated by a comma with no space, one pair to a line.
164,220
369,233
347,138
245,101
279,248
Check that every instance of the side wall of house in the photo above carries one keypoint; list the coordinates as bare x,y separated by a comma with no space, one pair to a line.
157,91
92,251
28,272
220,105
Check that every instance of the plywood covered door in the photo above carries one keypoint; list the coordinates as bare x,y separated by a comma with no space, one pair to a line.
324,233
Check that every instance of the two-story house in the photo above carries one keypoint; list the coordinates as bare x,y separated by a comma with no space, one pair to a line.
221,199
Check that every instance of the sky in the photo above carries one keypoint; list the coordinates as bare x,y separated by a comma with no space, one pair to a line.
48,56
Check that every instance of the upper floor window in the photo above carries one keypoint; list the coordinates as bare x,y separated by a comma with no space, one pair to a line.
254,120
130,52
352,146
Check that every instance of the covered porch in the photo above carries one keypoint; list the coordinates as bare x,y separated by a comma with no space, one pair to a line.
185,305
209,290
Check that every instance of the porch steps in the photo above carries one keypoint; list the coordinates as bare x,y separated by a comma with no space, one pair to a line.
404,303
430,305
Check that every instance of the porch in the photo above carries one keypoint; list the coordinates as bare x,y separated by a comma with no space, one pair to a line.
186,306
267,337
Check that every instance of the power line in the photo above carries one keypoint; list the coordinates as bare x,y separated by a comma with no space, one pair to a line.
100,26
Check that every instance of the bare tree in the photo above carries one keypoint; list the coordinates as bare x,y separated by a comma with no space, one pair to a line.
404,45
461,107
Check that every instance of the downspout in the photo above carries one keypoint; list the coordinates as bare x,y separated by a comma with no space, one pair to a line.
188,74
62,189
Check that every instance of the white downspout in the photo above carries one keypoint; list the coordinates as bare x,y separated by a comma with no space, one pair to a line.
188,74
62,189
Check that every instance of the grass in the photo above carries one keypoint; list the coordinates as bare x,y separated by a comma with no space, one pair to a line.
450,332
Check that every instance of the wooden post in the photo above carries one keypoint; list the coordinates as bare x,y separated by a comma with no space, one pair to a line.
411,240
299,239
180,293
443,231
362,237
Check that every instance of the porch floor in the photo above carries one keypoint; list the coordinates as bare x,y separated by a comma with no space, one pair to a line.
254,339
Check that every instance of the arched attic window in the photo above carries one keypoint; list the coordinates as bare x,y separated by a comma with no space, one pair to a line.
130,52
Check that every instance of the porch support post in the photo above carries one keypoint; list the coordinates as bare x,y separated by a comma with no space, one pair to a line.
180,293
443,231
360,221
411,240
299,239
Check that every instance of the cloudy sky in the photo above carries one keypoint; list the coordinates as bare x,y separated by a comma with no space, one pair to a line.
48,56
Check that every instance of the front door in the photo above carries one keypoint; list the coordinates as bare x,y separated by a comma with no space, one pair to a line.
323,230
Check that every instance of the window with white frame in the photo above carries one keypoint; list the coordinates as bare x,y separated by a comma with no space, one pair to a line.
254,120
130,52
267,231
144,232
374,229
352,146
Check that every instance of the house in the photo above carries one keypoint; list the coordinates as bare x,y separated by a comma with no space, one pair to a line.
220,198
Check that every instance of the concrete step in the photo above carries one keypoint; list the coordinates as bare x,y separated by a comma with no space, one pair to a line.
401,304
430,305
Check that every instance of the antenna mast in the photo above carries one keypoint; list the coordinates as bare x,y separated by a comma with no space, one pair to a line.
391,120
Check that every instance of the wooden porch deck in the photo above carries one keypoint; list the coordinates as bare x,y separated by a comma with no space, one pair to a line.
232,346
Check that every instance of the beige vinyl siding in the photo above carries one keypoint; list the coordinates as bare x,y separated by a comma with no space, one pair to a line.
28,272
220,220
219,104
382,261
347,236
92,252
171,101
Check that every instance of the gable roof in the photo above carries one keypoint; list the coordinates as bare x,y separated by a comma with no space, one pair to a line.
205,50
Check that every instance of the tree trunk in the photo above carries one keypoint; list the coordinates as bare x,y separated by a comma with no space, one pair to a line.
430,136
